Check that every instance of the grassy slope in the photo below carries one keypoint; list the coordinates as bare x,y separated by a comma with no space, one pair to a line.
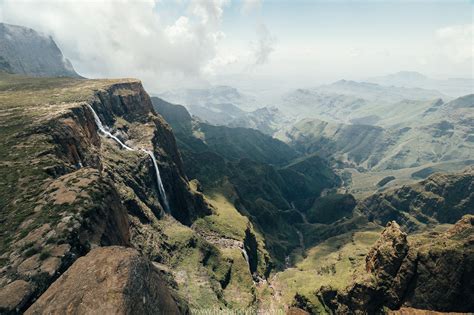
334,262
199,267
364,184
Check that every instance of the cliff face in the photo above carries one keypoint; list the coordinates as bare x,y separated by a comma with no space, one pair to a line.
430,271
66,189
25,51
440,198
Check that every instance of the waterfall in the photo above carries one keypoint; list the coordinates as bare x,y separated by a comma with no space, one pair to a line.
158,180
103,129
246,256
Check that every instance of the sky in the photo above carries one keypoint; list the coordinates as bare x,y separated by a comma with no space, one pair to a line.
260,44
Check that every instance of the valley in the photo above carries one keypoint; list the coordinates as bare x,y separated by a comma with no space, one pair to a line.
351,197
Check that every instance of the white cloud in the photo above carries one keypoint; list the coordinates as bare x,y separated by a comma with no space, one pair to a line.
127,38
251,5
264,46
456,42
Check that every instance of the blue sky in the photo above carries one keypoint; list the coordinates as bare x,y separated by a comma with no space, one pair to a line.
184,43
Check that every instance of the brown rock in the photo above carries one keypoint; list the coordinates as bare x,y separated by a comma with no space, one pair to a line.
14,295
29,266
385,258
296,311
108,280
423,273
50,265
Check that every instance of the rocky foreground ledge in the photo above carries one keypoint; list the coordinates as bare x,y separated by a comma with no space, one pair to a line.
108,280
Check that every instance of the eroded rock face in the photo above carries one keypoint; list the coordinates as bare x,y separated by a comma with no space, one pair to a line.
108,280
385,258
14,295
429,271
127,109
440,198
40,257
70,189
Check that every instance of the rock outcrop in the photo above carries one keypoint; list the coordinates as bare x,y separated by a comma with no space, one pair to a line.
25,51
429,271
108,280
441,198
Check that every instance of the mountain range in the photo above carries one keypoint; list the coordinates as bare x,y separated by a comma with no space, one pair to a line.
453,87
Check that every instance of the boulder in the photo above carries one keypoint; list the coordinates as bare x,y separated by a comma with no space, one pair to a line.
108,280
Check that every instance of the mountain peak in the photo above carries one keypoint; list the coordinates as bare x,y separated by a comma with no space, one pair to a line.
408,75
26,51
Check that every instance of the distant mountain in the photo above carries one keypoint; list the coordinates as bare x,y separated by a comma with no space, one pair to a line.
266,119
454,87
435,132
356,102
376,92
210,97
226,106
25,51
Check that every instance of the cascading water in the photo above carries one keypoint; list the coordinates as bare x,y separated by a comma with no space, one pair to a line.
103,129
246,256
158,180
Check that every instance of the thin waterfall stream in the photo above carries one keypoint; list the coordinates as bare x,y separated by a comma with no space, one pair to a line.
246,256
158,180
161,188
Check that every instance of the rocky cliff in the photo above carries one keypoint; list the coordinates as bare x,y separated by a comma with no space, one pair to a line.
441,198
25,51
67,189
430,271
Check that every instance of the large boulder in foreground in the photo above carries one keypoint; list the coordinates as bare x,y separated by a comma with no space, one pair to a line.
108,280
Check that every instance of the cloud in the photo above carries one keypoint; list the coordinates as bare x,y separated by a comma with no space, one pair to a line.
456,42
251,5
354,52
264,45
128,38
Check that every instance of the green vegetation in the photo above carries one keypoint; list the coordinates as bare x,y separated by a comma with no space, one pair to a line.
384,181
44,254
329,209
259,174
334,263
226,222
419,204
